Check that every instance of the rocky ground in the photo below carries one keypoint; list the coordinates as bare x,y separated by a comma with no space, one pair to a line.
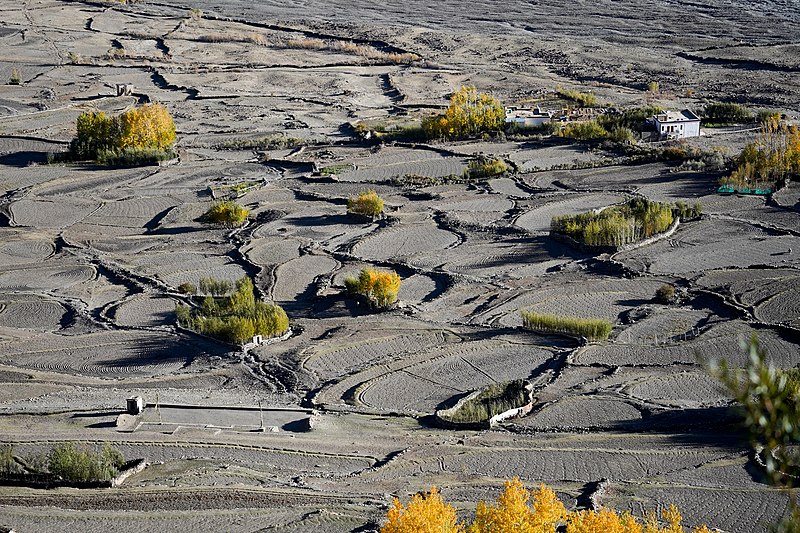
90,259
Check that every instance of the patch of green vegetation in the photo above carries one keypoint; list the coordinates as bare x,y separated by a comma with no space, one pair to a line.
74,464
592,328
235,318
633,221
686,211
634,119
582,99
725,114
589,130
269,142
495,399
227,213
133,157
333,170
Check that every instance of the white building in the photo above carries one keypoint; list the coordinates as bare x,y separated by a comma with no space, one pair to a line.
677,124
529,118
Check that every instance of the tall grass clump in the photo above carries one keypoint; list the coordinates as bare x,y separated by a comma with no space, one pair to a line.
235,318
367,204
596,329
632,221
484,167
228,213
495,399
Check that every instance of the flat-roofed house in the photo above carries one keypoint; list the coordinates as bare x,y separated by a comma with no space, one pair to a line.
530,118
677,124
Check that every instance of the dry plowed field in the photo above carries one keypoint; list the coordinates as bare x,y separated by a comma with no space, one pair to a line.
292,109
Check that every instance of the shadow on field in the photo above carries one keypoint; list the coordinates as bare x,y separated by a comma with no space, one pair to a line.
325,220
719,427
170,350
23,159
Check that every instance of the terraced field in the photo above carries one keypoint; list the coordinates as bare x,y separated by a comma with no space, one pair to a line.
280,106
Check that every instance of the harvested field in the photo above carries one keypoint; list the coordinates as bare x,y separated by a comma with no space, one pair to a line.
405,242
276,105
107,354
735,244
145,311
31,313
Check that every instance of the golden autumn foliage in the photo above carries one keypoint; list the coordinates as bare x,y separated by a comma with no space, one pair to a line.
367,203
470,113
771,158
513,514
425,513
148,128
378,286
518,510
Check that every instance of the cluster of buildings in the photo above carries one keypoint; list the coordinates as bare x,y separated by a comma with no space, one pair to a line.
669,125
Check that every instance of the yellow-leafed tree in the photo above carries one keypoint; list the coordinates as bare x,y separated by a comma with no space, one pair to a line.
469,113
148,126
146,129
425,513
512,513
380,287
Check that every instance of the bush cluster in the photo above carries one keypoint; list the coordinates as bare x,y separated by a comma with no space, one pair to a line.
469,114
632,221
270,142
367,204
379,287
686,211
228,213
235,318
73,464
484,167
665,294
634,119
16,77
591,328
146,132
721,114
584,131
582,99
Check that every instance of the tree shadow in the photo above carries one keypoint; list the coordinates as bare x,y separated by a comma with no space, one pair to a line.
23,159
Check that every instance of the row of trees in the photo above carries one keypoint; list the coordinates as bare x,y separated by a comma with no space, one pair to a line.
146,131
518,510
771,159
632,221
235,318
